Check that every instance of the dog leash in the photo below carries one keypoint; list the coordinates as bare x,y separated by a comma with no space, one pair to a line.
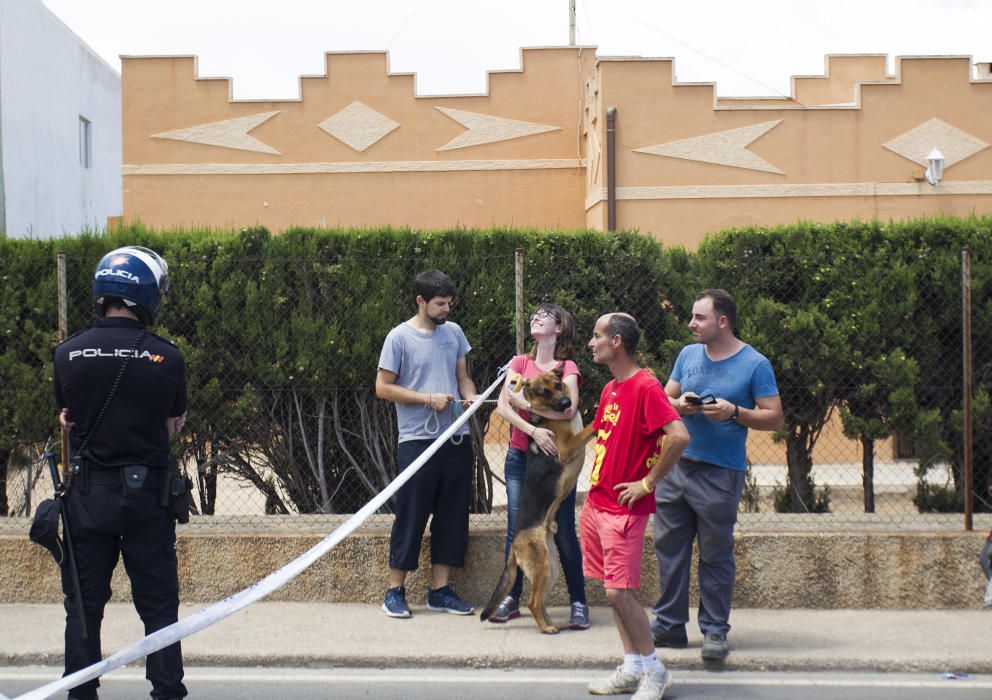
457,410
434,417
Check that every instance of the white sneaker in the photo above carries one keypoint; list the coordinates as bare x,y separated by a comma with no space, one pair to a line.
987,603
653,685
617,684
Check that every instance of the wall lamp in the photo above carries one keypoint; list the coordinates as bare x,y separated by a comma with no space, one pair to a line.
935,167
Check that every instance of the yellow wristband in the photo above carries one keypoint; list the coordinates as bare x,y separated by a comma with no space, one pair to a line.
644,483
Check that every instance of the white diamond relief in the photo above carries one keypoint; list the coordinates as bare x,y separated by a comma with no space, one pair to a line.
955,145
358,126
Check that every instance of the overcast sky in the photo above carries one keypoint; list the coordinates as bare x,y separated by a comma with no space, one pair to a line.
748,47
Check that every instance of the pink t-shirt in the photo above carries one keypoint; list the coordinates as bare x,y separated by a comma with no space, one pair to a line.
527,368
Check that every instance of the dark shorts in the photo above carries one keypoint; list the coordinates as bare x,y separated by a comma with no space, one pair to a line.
441,491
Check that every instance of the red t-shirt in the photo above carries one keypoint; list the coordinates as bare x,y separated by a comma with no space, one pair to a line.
628,438
527,368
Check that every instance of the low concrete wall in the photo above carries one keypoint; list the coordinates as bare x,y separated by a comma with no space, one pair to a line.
774,569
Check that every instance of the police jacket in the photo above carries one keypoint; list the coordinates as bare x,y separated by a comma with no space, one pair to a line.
153,389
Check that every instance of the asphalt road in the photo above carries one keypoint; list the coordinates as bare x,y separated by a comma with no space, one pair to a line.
442,684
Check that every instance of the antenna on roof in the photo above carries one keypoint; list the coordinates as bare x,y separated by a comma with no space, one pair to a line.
571,22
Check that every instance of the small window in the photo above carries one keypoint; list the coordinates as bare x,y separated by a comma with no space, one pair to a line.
903,447
85,142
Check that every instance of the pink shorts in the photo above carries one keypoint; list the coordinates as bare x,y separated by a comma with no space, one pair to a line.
612,546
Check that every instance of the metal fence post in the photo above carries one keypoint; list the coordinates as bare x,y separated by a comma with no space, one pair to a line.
969,475
518,293
63,297
28,485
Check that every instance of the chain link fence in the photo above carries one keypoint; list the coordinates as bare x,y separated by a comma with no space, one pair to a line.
284,424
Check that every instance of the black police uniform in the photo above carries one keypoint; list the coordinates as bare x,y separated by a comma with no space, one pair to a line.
106,521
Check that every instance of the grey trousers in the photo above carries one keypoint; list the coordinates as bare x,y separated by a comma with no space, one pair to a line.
696,500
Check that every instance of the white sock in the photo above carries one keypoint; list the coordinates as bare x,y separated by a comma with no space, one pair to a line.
987,603
632,664
651,662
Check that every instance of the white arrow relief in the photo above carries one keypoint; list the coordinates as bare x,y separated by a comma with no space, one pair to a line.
230,133
484,128
721,148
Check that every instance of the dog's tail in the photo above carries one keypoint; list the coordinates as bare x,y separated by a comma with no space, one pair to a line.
502,587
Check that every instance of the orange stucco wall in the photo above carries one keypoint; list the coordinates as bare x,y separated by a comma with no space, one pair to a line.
821,162
310,177
360,148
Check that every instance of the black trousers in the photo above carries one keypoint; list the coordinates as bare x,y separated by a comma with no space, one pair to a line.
442,489
107,525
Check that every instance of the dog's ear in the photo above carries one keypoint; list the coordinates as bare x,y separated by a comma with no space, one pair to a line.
519,385
559,371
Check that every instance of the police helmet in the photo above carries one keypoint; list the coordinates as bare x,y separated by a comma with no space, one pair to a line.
137,276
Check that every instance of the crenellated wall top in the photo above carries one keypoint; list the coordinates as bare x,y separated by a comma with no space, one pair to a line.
531,148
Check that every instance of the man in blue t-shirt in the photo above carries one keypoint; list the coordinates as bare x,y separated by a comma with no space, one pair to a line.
422,370
721,386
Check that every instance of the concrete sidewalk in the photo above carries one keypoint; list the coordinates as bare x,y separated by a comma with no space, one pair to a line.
351,634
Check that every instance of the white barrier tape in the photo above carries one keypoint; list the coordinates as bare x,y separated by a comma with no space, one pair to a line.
227,607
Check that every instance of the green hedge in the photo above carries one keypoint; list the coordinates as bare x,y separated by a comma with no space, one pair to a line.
282,334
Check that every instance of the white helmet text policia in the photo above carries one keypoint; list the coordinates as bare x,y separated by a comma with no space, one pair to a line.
134,274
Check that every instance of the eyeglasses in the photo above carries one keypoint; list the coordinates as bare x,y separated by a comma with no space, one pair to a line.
544,313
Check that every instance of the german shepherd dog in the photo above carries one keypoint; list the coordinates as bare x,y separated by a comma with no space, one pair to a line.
547,482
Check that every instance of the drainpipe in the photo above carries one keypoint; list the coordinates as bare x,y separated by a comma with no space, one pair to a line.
611,169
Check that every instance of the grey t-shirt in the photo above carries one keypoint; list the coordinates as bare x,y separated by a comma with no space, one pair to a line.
425,362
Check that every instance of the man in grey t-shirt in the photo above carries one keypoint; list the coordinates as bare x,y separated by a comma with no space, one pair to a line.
422,370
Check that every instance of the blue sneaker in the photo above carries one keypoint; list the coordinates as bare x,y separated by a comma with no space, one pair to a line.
579,619
395,603
446,600
508,610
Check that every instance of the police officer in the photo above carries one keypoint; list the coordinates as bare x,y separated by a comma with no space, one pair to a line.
121,391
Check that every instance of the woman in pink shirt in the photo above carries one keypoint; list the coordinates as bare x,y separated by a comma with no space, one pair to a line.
553,332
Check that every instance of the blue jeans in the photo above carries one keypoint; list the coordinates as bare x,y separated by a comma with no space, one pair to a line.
566,540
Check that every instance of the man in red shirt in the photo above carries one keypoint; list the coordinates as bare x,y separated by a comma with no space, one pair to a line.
639,438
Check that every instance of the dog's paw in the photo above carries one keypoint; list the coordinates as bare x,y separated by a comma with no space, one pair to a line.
550,630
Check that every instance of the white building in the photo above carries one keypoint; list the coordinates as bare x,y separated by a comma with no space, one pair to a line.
60,127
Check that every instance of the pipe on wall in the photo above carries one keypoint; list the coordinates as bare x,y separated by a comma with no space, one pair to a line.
611,169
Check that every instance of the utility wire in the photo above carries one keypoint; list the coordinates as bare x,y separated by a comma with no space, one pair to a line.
405,22
589,23
697,51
